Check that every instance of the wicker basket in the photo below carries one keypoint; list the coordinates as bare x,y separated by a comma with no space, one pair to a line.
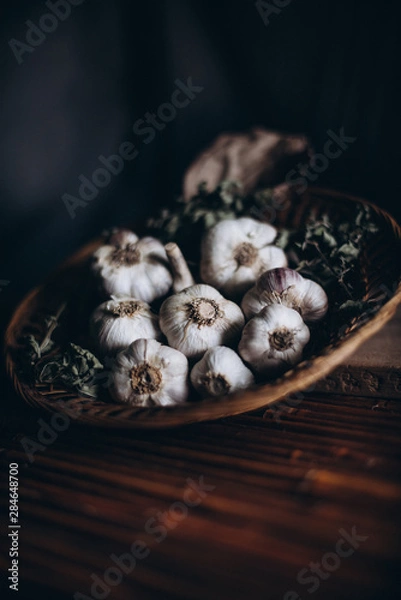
380,270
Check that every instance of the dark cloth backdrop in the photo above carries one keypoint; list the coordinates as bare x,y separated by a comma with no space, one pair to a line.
316,66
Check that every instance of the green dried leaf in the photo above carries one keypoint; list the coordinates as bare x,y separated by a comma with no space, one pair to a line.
49,373
356,306
75,368
210,220
349,250
35,349
283,239
32,347
239,205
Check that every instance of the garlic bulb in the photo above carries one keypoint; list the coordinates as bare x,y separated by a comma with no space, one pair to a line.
117,323
129,266
219,372
149,374
198,318
235,252
274,340
287,287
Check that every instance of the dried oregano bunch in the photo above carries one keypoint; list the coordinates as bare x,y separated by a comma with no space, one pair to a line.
327,252
74,367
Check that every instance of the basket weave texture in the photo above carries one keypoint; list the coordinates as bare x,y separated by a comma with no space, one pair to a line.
379,267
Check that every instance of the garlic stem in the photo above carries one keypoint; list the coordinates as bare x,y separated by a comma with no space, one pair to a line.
182,277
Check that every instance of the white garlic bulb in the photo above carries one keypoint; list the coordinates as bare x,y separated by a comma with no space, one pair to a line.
274,340
287,287
117,323
236,251
150,374
220,371
198,318
129,266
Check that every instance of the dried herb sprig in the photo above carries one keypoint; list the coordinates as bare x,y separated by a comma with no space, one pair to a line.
327,252
74,367
34,349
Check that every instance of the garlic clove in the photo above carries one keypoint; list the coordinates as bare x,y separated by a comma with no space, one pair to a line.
252,303
118,322
275,286
198,318
150,374
274,340
133,267
273,257
314,303
235,252
257,232
118,283
287,287
220,372
278,280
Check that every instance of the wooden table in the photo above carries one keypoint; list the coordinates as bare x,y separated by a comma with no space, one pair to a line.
275,496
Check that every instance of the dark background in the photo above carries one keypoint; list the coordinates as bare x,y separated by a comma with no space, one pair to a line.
316,66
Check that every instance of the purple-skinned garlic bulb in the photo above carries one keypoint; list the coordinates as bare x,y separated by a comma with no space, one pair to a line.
287,287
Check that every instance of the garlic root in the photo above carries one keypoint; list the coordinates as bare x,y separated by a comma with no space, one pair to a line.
273,341
148,373
198,318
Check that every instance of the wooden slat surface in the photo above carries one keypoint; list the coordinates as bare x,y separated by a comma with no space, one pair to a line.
374,369
283,490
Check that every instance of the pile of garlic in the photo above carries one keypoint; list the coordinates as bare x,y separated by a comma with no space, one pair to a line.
247,318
